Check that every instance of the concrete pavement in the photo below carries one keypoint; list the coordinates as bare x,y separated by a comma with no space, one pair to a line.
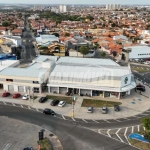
131,106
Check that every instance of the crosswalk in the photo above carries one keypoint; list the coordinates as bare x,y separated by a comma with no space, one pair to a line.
121,134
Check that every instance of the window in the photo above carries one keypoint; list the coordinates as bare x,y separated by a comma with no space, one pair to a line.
9,80
35,82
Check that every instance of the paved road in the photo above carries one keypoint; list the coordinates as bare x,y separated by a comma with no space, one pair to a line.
30,53
72,135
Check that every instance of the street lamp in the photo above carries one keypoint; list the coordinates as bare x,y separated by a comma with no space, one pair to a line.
74,98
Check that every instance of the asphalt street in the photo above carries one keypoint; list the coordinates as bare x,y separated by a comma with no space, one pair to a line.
73,136
27,38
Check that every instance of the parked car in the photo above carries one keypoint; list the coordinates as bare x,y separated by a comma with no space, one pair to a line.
62,103
90,110
42,99
48,111
141,88
16,95
104,110
67,93
5,94
54,102
25,97
146,62
116,108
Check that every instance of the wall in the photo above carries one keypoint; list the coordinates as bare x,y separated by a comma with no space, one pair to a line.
125,82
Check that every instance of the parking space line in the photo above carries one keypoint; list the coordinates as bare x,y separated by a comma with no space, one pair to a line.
117,120
21,106
73,119
108,132
126,136
84,120
95,121
37,110
132,129
107,121
4,103
143,128
29,107
126,118
118,135
13,104
63,117
138,128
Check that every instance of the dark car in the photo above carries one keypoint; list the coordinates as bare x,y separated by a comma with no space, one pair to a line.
48,111
140,88
116,108
5,94
54,102
43,99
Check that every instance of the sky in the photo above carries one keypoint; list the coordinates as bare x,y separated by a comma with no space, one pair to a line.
77,1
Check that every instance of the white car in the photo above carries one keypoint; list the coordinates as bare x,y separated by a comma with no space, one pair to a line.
62,103
147,63
25,97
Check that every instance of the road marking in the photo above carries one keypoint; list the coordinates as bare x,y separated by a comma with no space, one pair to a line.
29,107
13,104
138,128
132,129
37,110
118,135
107,121
73,119
126,136
95,121
63,117
21,106
108,133
117,120
144,128
84,120
4,103
126,118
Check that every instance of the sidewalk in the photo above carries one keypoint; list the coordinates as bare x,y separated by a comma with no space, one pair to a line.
131,105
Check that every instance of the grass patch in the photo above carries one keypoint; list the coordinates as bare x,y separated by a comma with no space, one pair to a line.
141,70
67,99
35,97
98,103
139,144
45,144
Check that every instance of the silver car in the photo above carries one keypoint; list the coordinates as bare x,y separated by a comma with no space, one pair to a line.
104,110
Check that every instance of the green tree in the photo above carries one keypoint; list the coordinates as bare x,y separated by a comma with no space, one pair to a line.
56,34
84,50
20,15
103,54
67,34
147,135
146,123
89,17
5,24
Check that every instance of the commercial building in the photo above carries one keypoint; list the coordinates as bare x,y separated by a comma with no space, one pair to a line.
136,52
112,6
26,80
93,77
62,8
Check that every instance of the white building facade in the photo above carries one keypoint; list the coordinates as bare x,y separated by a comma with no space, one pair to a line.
93,77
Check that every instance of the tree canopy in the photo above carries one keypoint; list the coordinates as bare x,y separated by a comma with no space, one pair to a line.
146,123
84,50
103,54
5,24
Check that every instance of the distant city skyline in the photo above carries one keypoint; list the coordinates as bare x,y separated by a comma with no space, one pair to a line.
76,2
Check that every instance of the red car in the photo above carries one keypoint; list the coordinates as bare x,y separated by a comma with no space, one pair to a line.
16,95
5,94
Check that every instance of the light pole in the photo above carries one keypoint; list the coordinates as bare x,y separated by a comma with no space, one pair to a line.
73,103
